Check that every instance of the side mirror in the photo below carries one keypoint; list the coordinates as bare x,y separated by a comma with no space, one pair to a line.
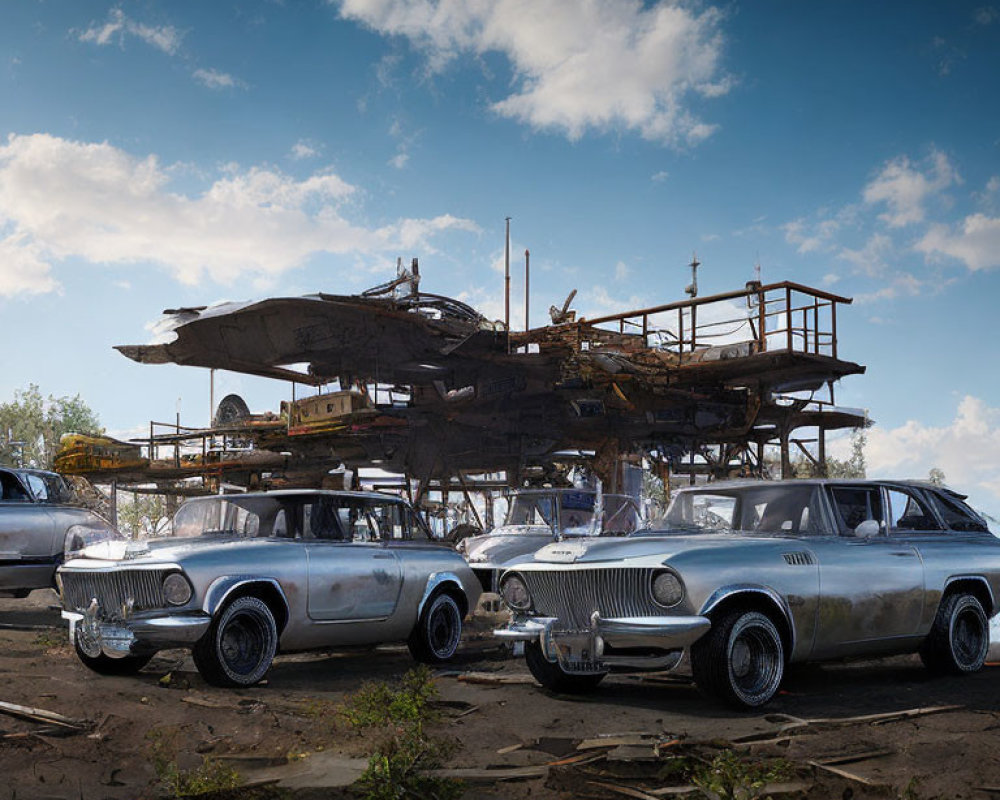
867,529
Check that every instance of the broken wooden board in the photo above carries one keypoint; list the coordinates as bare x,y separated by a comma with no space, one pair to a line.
316,771
45,717
474,775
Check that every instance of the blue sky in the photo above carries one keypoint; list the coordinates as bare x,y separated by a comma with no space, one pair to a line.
155,155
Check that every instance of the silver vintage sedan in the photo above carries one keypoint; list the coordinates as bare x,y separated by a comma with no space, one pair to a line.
752,576
36,515
242,577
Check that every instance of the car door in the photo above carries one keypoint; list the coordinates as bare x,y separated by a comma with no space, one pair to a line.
871,586
27,528
353,574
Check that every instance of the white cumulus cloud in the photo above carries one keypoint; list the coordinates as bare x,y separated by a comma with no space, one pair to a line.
119,26
580,65
303,149
213,79
967,450
904,187
975,241
61,199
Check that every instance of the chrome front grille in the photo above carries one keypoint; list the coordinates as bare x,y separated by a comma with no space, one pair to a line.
574,595
115,590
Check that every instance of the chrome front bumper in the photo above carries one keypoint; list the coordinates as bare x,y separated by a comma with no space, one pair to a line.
664,639
128,637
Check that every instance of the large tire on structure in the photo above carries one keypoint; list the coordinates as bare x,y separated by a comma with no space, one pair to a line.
105,665
959,638
239,645
741,660
555,678
436,635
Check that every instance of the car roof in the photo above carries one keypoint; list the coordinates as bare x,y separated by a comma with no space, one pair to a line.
308,492
751,482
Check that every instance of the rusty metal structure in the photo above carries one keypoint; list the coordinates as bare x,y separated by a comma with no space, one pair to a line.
424,385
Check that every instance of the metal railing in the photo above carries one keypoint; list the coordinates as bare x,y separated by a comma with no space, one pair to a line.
779,316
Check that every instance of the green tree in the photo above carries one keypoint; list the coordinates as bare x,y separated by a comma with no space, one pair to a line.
144,515
854,466
31,426
936,476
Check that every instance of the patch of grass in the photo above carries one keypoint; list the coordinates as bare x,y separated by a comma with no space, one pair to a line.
210,776
730,777
51,639
397,768
378,704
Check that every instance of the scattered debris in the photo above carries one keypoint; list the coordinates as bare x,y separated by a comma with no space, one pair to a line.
795,726
489,679
843,773
50,719
489,775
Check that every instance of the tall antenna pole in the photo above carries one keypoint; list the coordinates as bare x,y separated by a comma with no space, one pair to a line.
527,286
506,276
506,282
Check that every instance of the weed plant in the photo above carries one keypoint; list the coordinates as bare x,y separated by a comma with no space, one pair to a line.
404,752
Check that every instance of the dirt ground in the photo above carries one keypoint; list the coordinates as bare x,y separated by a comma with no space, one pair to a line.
287,731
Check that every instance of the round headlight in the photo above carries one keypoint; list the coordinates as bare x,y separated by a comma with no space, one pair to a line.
176,589
515,593
667,589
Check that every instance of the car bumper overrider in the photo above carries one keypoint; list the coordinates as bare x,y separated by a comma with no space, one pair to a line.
117,639
624,642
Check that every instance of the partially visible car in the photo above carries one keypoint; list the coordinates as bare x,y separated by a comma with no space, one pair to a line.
749,577
537,517
35,517
242,577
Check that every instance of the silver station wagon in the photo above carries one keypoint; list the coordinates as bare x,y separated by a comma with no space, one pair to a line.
752,576
242,577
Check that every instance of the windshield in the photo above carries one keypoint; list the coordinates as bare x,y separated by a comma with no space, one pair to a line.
531,509
303,516
572,512
766,509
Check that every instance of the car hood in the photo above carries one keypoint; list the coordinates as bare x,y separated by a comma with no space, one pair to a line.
495,549
635,547
166,550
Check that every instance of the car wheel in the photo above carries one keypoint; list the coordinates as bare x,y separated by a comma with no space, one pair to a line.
959,638
555,678
239,645
741,660
438,631
105,665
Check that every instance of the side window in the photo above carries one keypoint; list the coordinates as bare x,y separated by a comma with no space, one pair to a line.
357,522
417,528
320,520
957,515
13,492
907,512
38,487
855,504
392,524
281,528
